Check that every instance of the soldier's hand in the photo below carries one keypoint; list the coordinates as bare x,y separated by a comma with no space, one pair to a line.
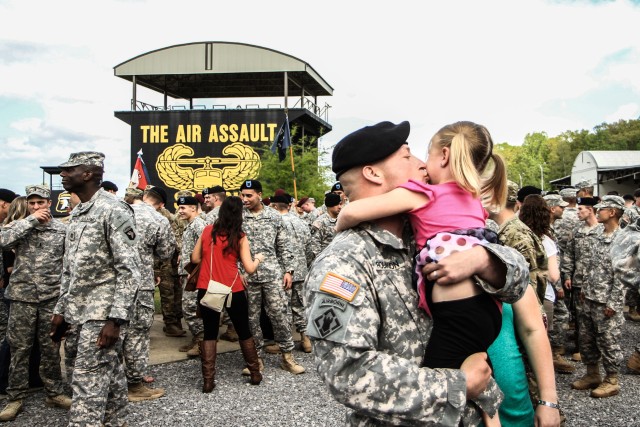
567,283
42,215
108,335
608,312
455,267
158,281
287,281
560,293
478,373
56,322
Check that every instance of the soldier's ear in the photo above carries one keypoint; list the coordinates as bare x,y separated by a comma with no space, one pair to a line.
373,174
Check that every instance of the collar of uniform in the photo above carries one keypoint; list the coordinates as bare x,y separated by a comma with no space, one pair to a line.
383,236
82,207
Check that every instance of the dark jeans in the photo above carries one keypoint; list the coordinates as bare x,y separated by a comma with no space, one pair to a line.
238,312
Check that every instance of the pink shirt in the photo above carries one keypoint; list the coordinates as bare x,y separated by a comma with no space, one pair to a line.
450,208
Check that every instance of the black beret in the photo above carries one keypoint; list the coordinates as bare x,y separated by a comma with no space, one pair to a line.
290,197
7,195
108,185
337,187
368,145
587,201
280,198
159,191
213,190
332,199
252,184
527,190
187,200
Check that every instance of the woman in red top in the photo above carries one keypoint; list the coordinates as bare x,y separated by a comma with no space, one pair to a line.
219,249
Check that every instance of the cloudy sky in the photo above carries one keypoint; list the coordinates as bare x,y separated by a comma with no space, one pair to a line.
516,67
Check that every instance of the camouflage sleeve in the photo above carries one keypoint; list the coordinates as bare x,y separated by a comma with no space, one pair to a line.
61,304
283,248
165,242
568,259
122,239
12,233
314,240
517,274
625,257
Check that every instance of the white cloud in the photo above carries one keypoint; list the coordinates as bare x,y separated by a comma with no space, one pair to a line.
623,112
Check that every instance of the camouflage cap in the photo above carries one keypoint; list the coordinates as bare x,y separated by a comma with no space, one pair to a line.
555,200
41,190
629,216
133,192
512,191
616,202
87,158
569,192
184,193
583,184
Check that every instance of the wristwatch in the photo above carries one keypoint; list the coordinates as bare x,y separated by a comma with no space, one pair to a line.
116,321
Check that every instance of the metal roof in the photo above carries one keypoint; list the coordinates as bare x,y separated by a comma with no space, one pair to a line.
607,160
222,70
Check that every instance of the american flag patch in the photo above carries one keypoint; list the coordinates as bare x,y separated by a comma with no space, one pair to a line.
339,286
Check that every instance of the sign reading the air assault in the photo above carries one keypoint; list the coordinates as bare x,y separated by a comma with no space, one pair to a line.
195,149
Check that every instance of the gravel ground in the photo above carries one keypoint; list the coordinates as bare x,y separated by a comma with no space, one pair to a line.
286,400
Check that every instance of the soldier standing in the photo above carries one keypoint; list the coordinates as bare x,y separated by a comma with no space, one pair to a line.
267,235
33,289
298,230
369,335
166,272
100,278
602,299
324,227
155,238
308,207
213,197
188,212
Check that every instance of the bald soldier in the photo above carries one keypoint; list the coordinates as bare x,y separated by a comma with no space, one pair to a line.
369,336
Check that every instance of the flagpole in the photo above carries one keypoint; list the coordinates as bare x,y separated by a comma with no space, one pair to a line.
293,170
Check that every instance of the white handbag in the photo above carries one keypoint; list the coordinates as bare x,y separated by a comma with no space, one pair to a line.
218,294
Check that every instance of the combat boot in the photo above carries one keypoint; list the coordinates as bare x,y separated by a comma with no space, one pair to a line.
59,401
138,392
561,365
305,343
559,350
230,334
289,364
591,379
189,346
576,357
634,363
609,387
194,351
246,372
11,411
250,355
633,314
172,330
272,348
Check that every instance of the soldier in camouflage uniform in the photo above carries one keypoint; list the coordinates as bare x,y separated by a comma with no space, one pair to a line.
33,289
187,210
602,302
166,272
100,278
369,335
155,239
267,234
6,197
632,298
298,230
308,206
324,228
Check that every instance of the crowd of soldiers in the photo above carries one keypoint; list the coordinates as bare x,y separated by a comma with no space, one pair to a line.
87,282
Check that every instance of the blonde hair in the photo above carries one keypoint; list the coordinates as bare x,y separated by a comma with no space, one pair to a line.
473,164
17,210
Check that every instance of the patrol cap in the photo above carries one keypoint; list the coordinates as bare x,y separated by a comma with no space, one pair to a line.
158,191
527,190
41,190
7,195
86,158
337,187
555,200
332,199
109,186
588,201
133,192
368,145
187,200
213,190
184,193
252,184
302,202
569,192
583,184
280,198
616,202
512,191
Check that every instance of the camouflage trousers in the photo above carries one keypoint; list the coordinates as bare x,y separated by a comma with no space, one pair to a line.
136,338
600,336
189,309
170,293
70,351
275,301
99,385
296,298
28,322
632,297
4,316
559,322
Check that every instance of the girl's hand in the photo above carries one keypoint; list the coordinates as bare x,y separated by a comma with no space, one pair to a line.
259,257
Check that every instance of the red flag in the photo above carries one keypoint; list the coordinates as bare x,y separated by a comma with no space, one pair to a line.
139,177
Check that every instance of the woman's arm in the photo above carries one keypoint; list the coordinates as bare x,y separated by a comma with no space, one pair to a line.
554,270
196,255
528,322
396,201
250,265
